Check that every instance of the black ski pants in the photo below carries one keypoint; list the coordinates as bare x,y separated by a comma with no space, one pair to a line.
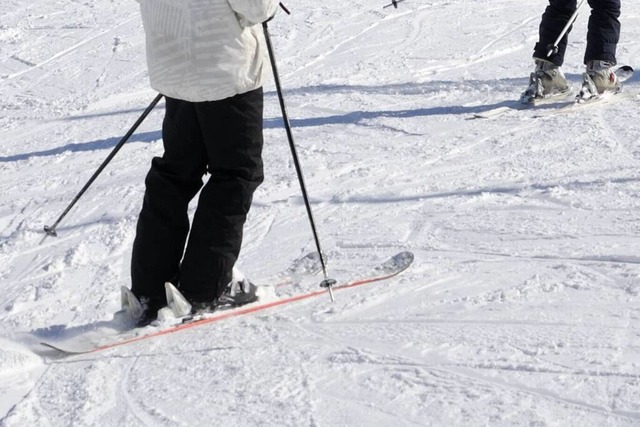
225,139
602,36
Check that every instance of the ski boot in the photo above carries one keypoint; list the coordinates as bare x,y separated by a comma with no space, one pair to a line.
136,311
599,78
546,81
239,291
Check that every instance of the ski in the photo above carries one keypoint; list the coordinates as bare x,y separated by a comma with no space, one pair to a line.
557,107
299,269
390,268
560,103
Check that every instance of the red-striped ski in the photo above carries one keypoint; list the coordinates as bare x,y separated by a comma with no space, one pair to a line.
392,267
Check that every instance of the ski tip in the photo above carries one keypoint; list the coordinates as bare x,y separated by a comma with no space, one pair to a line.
624,73
399,262
404,258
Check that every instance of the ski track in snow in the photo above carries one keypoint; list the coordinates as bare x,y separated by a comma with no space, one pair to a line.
521,307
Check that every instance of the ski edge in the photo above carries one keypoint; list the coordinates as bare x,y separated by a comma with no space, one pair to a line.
61,347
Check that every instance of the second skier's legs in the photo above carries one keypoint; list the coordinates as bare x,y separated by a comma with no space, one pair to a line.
600,54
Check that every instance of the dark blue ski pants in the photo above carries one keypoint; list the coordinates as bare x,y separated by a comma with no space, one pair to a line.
602,36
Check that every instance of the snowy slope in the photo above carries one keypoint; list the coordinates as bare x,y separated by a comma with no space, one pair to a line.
522,307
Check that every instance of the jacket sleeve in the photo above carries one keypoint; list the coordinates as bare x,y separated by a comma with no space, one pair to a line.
255,11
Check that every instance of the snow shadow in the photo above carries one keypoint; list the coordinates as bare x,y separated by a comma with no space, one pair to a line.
404,89
77,337
506,86
137,111
100,144
57,332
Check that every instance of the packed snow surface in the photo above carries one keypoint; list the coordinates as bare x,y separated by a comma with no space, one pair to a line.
522,306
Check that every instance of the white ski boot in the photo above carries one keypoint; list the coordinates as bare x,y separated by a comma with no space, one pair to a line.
599,78
134,311
546,81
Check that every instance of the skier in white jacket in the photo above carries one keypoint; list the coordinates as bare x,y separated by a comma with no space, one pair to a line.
208,58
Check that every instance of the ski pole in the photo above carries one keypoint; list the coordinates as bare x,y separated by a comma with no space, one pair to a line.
326,283
554,48
51,231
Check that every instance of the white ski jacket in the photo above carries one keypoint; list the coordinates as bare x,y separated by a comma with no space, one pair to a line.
206,50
